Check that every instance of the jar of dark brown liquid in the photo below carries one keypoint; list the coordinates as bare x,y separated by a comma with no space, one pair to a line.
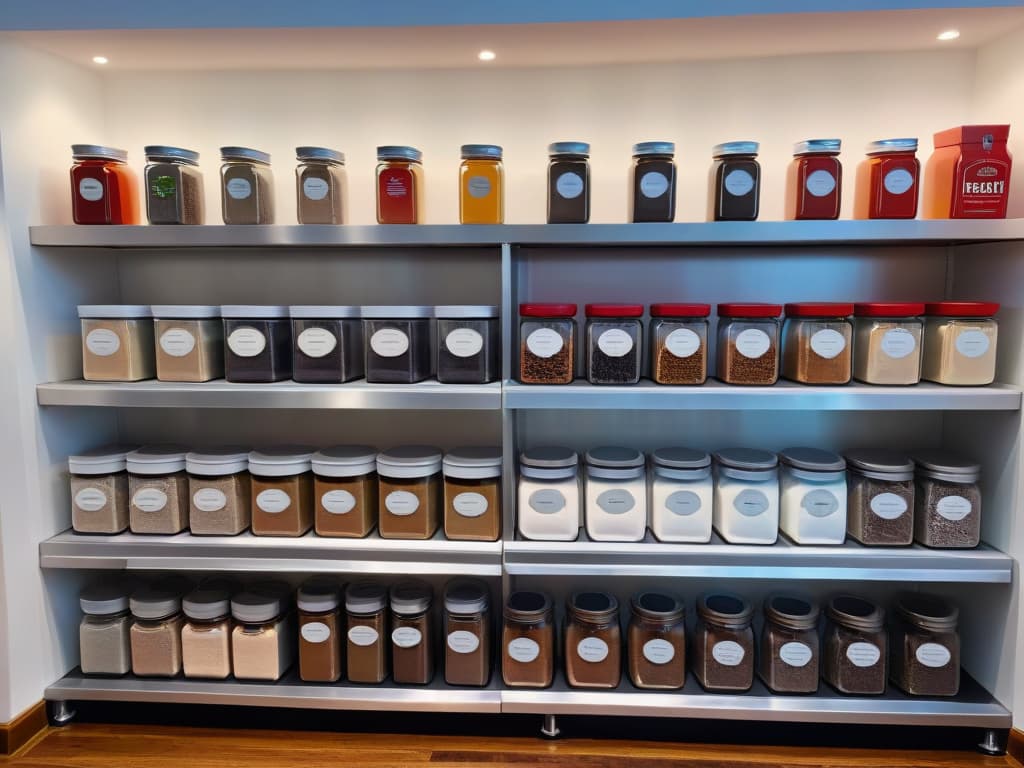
653,182
367,647
735,182
593,641
854,646
320,631
723,647
528,641
320,185
790,648
657,641
569,183
925,646
412,633
467,631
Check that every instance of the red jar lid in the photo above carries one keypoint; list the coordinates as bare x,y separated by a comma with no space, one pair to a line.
749,310
819,309
961,308
972,134
680,310
615,310
547,310
888,309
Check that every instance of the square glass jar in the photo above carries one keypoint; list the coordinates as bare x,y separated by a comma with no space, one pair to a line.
158,489
282,491
880,498
263,638
549,503
174,186
117,342
812,504
321,186
924,646
887,342
960,343
748,343
947,501
547,343
104,642
616,494
528,641
746,496
206,634
413,636
681,496
410,491
854,648
189,342
219,491
156,632
99,490
398,344
614,343
467,633
468,344
790,651
327,344
258,343
246,186
346,489
321,630
723,644
593,641
367,645
679,343
472,494
818,343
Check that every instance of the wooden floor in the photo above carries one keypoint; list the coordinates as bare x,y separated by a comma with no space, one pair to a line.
133,746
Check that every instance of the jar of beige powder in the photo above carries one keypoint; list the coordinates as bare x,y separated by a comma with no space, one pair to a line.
117,342
263,640
219,491
156,632
206,634
410,491
189,342
103,634
960,343
282,491
345,482
158,489
99,490
887,342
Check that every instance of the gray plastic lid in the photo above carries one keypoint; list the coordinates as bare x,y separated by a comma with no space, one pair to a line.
252,311
391,152
104,599
549,457
207,604
244,153
319,595
319,153
98,152
281,461
396,312
942,465
466,596
321,312
881,464
813,459
365,597
614,456
175,154
157,460
575,148
114,311
184,311
409,461
411,597
256,607
654,148
345,461
100,461
473,463
681,458
481,151
152,603
468,311
735,148
747,458
883,146
815,146
215,462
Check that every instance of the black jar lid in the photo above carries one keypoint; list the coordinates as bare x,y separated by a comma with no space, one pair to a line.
855,612
726,610
791,612
595,607
528,607
319,594
657,606
927,612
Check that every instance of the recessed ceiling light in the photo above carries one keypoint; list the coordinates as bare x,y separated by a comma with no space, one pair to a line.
949,34
487,55
100,59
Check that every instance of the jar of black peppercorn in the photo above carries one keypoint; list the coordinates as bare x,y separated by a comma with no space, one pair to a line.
788,661
925,646
397,344
614,334
947,501
569,183
258,343
468,340
854,647
547,343
327,344
653,182
735,182
723,646
657,641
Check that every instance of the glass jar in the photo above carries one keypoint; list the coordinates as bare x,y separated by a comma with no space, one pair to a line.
246,186
960,343
367,648
925,646
220,502
412,633
734,182
682,495
812,507
320,631
723,645
400,193
818,343
263,639
258,343
657,641
156,632
410,491
887,181
614,335
887,342
206,634
397,344
790,651
547,343
549,494
321,185
748,343
174,186
947,501
528,641
158,489
327,344
569,182
747,496
679,343
593,641
481,185
99,490
117,342
468,344
880,498
653,188
467,631
103,635
854,646
472,494
282,490
814,180
616,494
189,343
345,487
968,174
103,187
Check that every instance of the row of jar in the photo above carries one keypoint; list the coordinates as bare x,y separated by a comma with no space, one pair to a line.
308,344
103,188
406,492
947,342
877,497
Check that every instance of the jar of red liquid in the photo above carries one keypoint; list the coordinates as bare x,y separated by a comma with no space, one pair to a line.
103,188
887,181
968,174
814,180
399,185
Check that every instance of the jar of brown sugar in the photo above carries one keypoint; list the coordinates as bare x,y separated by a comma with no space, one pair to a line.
472,494
679,343
880,498
219,491
790,647
246,186
410,491
156,632
412,632
593,641
817,343
321,629
748,343
99,490
854,646
321,185
925,646
345,488
282,490
206,634
117,342
158,489
528,641
467,632
189,342
887,342
547,343
263,640
367,647
657,641
947,501
723,645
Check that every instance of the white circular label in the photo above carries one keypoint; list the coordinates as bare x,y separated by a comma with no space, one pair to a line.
544,342
464,342
362,636
682,342
523,649
470,504
462,641
90,499
273,501
102,342
933,655
898,181
246,342
338,502
753,343
738,182
972,343
91,189
750,503
728,653
820,503
569,185
239,189
479,186
616,501
401,503
314,188
209,500
827,343
888,506
592,649
316,342
615,342
177,342
953,508
796,654
820,183
316,632
653,184
898,343
683,503
546,501
389,342
406,637
659,651
863,654
149,500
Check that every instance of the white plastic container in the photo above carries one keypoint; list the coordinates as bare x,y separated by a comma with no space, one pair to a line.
813,504
682,495
616,492
549,494
747,496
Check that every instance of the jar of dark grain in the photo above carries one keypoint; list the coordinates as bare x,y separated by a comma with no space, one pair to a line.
679,343
174,186
246,186
748,343
790,648
947,501
614,336
817,343
854,646
924,646
547,343
657,641
880,498
723,645
320,185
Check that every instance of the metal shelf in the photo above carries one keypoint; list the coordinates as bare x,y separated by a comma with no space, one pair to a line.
783,560
283,394
245,552
784,396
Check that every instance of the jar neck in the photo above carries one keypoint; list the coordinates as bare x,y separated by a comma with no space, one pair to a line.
105,618
410,616
529,617
207,622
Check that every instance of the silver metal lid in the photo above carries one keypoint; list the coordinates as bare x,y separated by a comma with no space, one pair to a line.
481,151
157,460
244,153
100,461
364,597
158,152
396,312
747,458
411,456
207,604
892,145
281,461
466,596
614,456
814,146
399,153
577,148
549,457
466,311
735,148
214,462
152,603
681,458
319,153
114,311
881,461
185,311
104,599
252,311
654,148
944,465
319,594
813,459
323,312
345,461
98,152
257,607
411,596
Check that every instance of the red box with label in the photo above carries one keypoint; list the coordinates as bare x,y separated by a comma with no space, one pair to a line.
968,175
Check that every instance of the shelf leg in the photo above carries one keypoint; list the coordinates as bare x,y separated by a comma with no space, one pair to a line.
550,728
992,743
61,713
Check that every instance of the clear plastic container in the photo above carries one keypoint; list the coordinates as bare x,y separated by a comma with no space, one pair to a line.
887,343
321,630
616,494
569,182
367,647
854,650
814,180
206,634
246,186
481,185
746,496
467,632
104,642
400,193
880,498
528,641
397,344
412,632
790,651
947,501
818,343
593,641
258,343
656,641
472,494
321,186
282,490
748,343
813,497
547,343
103,187
614,343
346,490
468,344
549,506
189,343
327,344
174,186
960,343
924,656
682,495
220,502
679,343
410,491
158,489
653,182
117,342
263,639
723,644
156,632
99,490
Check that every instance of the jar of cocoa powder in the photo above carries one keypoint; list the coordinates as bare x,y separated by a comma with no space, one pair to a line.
467,632
472,494
410,491
925,646
282,490
593,641
412,632
528,641
723,645
321,185
790,648
854,646
748,343
367,648
345,488
320,631
246,186
657,641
